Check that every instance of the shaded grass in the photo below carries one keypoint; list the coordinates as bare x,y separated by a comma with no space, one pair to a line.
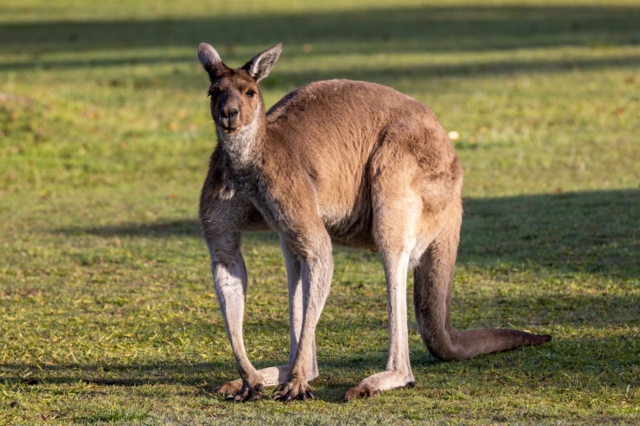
107,307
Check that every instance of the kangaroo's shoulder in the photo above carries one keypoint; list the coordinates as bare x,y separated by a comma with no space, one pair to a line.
217,184
222,206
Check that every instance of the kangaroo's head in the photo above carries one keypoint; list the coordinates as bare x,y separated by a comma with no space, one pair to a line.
235,94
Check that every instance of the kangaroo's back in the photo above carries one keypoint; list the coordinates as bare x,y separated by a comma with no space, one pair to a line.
335,116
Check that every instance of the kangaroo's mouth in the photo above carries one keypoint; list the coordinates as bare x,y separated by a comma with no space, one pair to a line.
229,130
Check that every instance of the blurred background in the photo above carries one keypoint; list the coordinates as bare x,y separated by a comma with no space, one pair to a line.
547,89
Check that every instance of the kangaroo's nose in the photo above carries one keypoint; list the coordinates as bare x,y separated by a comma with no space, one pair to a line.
229,117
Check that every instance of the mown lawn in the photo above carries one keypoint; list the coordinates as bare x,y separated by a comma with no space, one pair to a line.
107,307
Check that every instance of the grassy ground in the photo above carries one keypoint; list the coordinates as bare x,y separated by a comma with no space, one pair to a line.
106,299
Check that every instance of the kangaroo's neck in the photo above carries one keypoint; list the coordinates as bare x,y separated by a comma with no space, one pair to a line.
245,147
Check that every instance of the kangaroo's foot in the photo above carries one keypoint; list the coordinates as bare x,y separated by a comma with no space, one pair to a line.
230,388
293,389
272,376
243,390
380,382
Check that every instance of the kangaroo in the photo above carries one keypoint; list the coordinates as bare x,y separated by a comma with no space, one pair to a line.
351,162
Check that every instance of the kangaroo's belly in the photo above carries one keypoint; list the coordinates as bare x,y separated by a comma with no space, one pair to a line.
343,191
350,227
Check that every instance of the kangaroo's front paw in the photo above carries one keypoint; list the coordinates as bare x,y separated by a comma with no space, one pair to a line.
239,391
293,389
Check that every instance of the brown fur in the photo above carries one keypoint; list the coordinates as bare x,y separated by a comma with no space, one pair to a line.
345,161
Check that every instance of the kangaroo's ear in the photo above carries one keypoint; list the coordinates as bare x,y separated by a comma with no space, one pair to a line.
261,64
209,58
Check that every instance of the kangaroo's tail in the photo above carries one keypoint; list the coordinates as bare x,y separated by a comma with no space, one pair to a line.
432,290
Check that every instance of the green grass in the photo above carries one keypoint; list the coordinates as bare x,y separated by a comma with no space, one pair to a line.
107,311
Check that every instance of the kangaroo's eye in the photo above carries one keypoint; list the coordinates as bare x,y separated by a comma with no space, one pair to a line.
250,93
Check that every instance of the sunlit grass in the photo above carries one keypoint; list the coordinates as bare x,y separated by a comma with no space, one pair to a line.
106,300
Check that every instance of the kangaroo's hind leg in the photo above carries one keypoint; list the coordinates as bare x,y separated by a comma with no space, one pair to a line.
398,371
276,375
396,213
223,219
296,308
